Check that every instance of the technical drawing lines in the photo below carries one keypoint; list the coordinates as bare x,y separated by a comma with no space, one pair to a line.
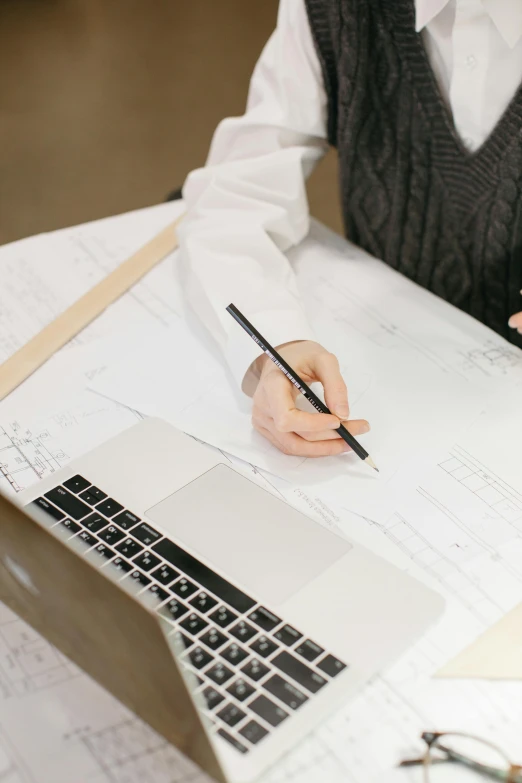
131,752
448,573
27,661
492,359
483,483
25,457
311,762
12,767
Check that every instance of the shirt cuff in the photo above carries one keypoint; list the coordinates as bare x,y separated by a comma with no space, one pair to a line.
277,327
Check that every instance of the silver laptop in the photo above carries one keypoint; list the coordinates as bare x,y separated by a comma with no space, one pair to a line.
277,621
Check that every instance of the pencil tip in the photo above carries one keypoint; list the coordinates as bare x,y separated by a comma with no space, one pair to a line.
372,464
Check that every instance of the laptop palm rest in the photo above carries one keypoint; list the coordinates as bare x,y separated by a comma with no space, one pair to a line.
251,536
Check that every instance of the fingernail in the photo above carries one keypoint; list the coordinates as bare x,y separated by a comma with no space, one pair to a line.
342,411
365,428
513,322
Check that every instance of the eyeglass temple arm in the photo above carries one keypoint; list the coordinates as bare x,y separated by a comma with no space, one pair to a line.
513,776
422,760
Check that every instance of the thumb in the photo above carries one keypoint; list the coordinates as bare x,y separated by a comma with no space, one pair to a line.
335,392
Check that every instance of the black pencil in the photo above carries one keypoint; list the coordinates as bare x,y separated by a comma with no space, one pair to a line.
298,383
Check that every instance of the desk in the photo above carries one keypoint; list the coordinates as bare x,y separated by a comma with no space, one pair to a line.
57,725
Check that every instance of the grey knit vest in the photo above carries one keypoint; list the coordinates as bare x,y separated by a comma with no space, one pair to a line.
411,194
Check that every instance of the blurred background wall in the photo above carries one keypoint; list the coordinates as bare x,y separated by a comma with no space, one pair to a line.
106,105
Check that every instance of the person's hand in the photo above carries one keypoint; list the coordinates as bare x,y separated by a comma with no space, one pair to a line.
516,322
294,431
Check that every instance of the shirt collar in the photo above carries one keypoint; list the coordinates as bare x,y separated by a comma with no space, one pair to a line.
506,15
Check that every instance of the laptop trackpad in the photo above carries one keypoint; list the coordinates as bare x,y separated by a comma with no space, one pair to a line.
252,537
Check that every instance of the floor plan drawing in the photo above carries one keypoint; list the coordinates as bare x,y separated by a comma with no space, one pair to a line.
130,752
27,661
26,456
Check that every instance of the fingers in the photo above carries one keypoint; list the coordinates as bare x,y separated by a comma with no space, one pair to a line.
280,395
291,444
298,432
515,322
335,391
356,427
265,424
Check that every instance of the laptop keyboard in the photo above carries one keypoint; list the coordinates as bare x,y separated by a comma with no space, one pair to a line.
253,670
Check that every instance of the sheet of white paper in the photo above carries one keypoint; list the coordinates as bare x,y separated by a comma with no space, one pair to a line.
341,284
56,724
414,407
41,276
67,419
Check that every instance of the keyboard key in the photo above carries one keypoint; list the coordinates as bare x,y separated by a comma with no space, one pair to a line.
173,610
267,710
146,534
285,692
184,588
203,602
180,639
213,639
231,715
233,741
193,624
219,673
69,503
159,592
125,520
288,635
165,575
109,507
331,666
212,697
299,672
199,657
146,561
104,551
139,578
223,616
234,654
111,535
95,522
255,669
122,565
264,646
68,527
90,497
44,505
265,619
207,578
309,650
129,548
243,631
87,538
95,493
241,690
253,732
77,484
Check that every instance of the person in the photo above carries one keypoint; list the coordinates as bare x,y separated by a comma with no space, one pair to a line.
423,100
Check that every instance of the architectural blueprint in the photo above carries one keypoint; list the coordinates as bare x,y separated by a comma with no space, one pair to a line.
458,528
43,275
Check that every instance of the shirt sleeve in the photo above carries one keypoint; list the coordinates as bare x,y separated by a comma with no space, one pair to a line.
248,205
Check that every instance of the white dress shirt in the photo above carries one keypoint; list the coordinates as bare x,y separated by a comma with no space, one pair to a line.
248,205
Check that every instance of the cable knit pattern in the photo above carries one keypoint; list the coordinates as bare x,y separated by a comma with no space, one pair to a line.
411,193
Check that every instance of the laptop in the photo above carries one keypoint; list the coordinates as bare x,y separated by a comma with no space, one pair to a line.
229,621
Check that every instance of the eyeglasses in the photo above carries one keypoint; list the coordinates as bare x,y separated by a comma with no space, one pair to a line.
479,759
